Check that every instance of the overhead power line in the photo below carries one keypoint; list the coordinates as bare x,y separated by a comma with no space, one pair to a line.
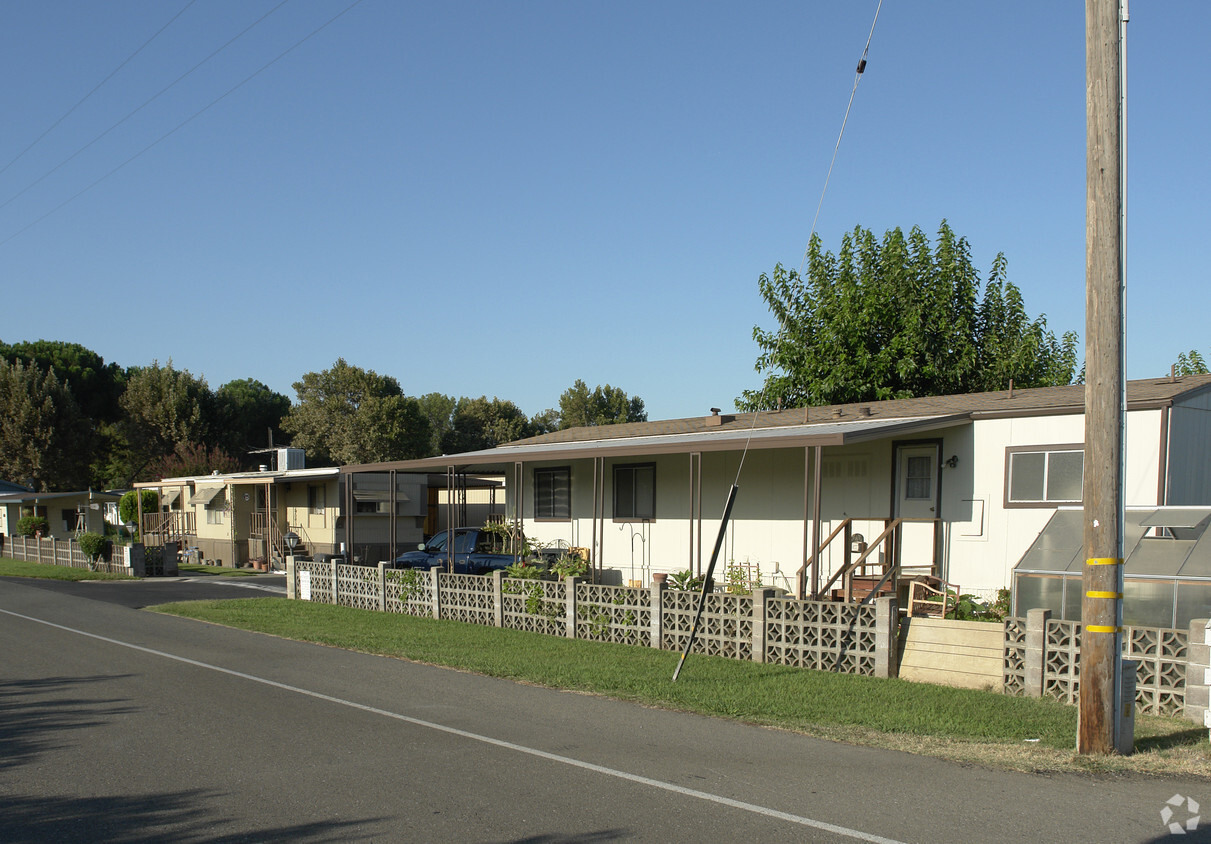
97,87
189,119
857,78
145,104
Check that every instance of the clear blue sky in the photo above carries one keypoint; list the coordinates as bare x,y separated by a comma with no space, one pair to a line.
500,198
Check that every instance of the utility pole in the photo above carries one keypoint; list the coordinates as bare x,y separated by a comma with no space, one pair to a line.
1101,605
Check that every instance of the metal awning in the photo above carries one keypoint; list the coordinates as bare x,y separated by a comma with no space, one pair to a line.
169,494
1162,542
205,494
786,436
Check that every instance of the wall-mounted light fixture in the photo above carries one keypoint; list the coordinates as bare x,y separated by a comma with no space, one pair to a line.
953,461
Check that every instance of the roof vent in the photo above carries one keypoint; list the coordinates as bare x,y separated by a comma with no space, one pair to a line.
864,411
838,413
715,420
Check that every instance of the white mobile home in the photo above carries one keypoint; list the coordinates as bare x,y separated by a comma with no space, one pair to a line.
956,487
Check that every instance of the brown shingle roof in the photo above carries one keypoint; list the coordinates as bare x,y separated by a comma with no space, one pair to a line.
1033,401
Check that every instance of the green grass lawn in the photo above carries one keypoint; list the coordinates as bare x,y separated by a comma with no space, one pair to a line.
964,724
18,568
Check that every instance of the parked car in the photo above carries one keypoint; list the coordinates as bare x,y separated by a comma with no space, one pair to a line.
474,552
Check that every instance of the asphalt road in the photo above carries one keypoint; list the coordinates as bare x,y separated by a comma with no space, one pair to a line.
121,725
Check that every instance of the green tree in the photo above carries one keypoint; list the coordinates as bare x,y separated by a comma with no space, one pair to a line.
482,423
248,415
44,437
580,407
95,384
1190,363
438,408
128,504
164,407
897,318
192,459
350,415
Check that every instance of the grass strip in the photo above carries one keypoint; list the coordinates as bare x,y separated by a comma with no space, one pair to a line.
963,724
20,568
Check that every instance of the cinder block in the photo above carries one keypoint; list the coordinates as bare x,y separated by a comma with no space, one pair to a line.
1198,697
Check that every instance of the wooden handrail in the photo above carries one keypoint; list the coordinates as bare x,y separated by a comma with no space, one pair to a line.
802,573
895,523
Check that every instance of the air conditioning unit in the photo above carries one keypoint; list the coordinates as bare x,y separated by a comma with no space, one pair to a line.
290,458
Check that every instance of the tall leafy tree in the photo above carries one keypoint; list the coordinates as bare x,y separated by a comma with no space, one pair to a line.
44,436
247,415
347,414
164,407
896,318
1190,363
95,384
191,459
438,408
482,423
580,407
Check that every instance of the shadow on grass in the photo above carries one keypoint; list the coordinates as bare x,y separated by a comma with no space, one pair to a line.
1181,738
182,816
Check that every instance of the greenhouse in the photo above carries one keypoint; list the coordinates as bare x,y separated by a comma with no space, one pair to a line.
1166,576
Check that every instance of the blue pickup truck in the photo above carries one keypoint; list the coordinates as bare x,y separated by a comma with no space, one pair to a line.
473,553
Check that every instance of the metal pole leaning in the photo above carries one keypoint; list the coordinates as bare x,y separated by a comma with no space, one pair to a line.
706,582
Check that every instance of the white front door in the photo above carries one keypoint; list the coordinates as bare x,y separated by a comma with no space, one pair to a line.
917,498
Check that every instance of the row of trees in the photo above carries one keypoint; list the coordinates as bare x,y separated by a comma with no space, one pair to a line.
68,420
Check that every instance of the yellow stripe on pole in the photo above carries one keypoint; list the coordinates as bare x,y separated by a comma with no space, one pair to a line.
1101,628
1113,595
1104,561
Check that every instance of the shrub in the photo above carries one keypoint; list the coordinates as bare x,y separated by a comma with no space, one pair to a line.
29,525
685,581
524,570
92,544
568,566
128,507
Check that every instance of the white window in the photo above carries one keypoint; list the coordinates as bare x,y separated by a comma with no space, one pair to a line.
1040,477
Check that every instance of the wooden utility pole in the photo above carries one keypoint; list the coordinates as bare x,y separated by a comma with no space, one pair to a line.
1101,606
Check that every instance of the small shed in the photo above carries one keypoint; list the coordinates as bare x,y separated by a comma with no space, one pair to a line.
1166,572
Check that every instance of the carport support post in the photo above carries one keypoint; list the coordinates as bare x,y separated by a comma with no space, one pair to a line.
382,583
1035,658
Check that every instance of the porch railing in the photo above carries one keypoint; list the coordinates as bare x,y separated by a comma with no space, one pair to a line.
888,569
172,526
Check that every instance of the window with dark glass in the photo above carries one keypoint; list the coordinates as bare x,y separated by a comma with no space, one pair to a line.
553,493
1045,476
635,491
917,478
